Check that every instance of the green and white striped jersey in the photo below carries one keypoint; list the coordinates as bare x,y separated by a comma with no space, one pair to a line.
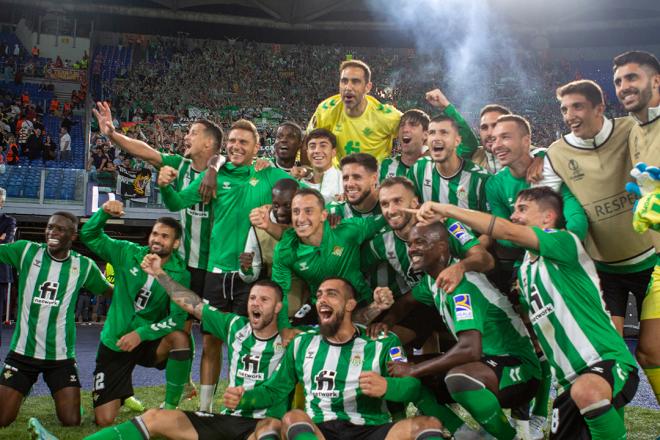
389,247
391,167
561,290
330,375
47,296
196,220
465,189
251,360
476,304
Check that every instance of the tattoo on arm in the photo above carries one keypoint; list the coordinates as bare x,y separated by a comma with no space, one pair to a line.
367,314
185,298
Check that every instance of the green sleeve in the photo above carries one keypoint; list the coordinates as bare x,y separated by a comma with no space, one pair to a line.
498,205
368,257
189,196
402,389
556,245
461,238
171,160
216,322
277,387
368,227
335,208
467,307
422,294
469,142
95,281
174,321
281,274
93,236
576,219
11,253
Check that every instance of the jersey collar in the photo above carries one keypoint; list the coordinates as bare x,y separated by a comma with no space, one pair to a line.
653,114
595,142
62,260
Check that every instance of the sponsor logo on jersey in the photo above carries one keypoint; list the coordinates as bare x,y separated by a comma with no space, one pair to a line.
134,271
226,185
47,294
339,127
325,384
250,367
576,171
303,265
356,360
337,251
537,308
459,232
396,354
197,213
310,355
427,182
37,263
549,230
141,299
597,369
541,313
463,306
72,378
254,181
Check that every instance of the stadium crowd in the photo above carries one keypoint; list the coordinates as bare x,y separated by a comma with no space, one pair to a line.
348,279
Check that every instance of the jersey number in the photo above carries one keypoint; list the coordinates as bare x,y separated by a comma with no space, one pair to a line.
99,381
142,299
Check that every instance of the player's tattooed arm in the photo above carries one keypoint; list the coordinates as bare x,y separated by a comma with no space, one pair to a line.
182,296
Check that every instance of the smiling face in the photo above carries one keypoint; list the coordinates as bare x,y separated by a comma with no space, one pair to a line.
320,153
393,200
635,86
528,213
281,206
263,306
353,87
359,183
510,142
241,147
307,215
427,248
581,116
162,240
486,128
412,136
287,143
333,306
443,140
60,234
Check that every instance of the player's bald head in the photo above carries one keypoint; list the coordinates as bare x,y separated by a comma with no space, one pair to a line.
435,232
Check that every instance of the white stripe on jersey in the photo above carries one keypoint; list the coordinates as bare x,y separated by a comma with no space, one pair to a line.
427,190
445,313
352,383
195,244
443,192
331,362
390,250
391,170
28,296
308,366
236,349
275,361
44,313
375,366
464,183
69,294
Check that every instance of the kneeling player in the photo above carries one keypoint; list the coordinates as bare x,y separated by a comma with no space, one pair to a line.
493,364
595,372
342,371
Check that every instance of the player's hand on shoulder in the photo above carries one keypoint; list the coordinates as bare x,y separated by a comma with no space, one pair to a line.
288,334
376,329
232,397
372,384
262,164
114,208
151,264
450,277
166,175
437,99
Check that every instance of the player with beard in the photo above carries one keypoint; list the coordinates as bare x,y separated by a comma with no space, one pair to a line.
360,122
359,173
445,176
344,376
484,156
493,364
143,326
50,276
255,350
239,188
637,84
623,258
397,194
594,370
288,141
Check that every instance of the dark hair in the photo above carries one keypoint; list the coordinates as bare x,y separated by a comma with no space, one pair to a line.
522,123
445,118
286,185
295,127
366,160
585,87
172,223
244,124
495,108
311,192
351,289
214,130
546,198
416,117
69,216
638,57
272,284
321,133
399,180
359,64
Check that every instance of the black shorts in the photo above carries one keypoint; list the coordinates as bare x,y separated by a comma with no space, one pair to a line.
423,320
210,426
21,372
197,281
342,430
567,422
114,371
227,292
615,287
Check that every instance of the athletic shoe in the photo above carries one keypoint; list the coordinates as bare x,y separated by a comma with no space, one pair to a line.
537,425
37,431
134,404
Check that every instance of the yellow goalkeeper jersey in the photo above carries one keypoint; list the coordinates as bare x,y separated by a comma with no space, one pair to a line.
372,132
